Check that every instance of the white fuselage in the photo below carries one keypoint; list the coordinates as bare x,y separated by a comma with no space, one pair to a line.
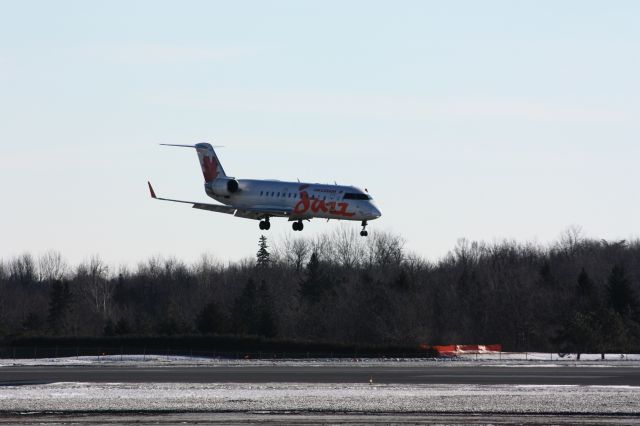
305,200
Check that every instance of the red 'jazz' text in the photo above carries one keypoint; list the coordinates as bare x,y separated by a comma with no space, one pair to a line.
335,208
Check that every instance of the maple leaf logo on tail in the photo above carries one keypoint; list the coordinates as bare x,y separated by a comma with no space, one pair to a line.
209,168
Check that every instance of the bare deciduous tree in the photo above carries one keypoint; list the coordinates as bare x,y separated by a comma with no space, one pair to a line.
22,269
293,251
385,249
348,247
92,276
571,239
51,266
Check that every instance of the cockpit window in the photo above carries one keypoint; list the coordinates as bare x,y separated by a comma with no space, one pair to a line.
354,196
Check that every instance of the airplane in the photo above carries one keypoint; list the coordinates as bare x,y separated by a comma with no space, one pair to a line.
263,199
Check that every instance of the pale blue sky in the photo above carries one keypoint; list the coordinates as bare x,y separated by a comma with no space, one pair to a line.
476,119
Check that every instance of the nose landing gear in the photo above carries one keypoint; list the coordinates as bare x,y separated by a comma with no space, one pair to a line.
364,232
297,226
265,224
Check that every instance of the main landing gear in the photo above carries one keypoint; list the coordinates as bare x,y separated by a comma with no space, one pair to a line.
265,224
364,232
297,226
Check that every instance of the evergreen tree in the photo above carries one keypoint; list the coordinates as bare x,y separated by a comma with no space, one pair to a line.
34,322
210,319
402,281
172,322
245,315
622,298
253,312
267,323
120,294
585,285
313,285
587,300
584,328
110,328
614,332
122,327
546,275
59,305
263,254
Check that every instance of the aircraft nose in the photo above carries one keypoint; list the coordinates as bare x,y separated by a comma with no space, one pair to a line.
375,212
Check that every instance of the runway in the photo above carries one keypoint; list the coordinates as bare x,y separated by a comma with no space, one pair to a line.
296,392
424,375
309,419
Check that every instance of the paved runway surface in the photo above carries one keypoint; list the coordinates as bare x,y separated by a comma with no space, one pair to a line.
481,375
313,419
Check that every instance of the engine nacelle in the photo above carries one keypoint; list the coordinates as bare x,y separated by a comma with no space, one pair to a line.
224,186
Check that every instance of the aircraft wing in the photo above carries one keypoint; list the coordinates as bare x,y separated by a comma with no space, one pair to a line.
260,212
218,208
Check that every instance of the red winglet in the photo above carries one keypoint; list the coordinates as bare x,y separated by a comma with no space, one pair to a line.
153,194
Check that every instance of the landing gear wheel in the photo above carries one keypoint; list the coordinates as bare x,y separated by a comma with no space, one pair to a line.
364,232
265,224
298,226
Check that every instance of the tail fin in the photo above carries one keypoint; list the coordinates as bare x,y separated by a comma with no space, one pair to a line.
211,167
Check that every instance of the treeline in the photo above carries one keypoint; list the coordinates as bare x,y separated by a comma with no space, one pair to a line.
577,294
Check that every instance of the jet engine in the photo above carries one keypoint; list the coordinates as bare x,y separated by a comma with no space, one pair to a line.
224,186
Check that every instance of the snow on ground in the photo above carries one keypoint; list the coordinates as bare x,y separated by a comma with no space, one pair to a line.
540,356
536,359
319,398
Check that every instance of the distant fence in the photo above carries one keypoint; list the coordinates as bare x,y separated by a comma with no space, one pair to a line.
255,347
535,356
